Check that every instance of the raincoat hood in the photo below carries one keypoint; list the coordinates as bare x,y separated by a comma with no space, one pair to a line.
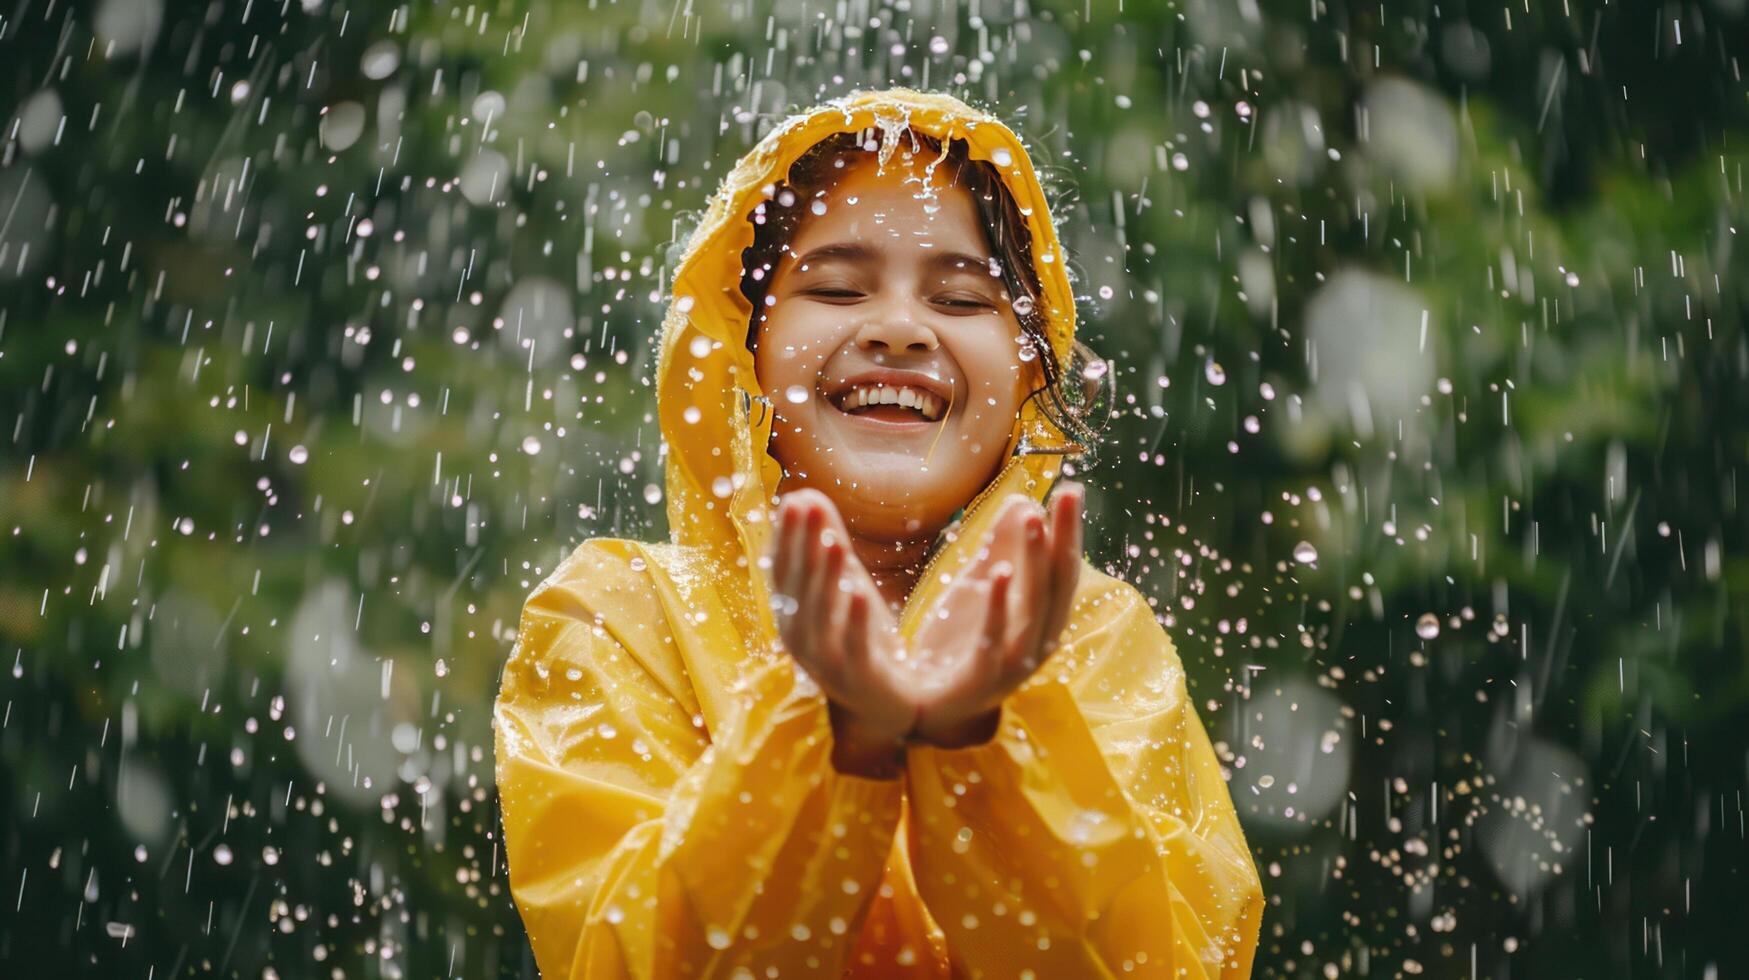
716,419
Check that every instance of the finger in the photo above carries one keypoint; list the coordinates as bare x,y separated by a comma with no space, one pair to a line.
1066,565
1033,576
853,565
832,608
783,571
856,650
998,543
790,545
995,637
812,609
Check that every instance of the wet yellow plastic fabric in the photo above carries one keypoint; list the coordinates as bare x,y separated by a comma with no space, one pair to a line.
670,806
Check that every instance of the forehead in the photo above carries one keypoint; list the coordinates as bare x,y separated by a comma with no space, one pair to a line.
889,206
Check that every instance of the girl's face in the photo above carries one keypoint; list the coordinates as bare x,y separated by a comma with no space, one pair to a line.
891,354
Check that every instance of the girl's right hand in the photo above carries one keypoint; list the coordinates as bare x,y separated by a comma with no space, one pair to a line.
835,623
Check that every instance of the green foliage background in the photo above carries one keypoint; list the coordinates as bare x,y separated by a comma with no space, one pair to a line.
1431,445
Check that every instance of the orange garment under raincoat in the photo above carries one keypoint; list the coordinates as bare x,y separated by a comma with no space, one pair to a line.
670,806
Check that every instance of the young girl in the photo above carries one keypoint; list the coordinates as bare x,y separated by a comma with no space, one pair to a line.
869,713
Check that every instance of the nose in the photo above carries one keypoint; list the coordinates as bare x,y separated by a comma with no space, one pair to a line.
895,328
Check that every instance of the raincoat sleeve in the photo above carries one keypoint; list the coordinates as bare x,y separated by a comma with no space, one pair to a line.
636,846
1093,835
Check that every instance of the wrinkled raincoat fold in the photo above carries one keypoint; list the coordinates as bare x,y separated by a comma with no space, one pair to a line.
670,806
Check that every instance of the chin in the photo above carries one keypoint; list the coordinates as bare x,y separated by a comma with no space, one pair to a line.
895,499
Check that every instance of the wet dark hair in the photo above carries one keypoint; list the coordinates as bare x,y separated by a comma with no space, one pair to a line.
1076,398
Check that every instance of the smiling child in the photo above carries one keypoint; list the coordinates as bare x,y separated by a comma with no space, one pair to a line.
869,712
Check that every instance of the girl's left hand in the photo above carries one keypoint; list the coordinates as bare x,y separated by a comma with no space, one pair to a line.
999,620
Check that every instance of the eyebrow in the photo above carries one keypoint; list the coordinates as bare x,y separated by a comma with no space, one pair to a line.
860,254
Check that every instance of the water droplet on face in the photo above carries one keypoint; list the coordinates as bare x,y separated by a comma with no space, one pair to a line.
795,394
299,455
1304,553
1427,627
1215,374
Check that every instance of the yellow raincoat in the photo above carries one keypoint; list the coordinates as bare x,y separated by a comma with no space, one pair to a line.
670,806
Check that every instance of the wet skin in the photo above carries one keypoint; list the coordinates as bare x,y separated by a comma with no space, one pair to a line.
885,287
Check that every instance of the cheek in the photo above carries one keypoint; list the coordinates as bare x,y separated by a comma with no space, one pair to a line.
995,376
790,352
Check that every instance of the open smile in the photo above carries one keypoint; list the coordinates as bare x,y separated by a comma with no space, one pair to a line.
890,404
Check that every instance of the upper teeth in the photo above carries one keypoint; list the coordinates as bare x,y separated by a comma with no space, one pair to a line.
903,396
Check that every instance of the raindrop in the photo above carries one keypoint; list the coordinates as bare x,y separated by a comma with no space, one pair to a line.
652,493
1427,627
380,60
1023,305
124,26
1304,553
299,455
342,125
1215,374
38,121
222,855
531,445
